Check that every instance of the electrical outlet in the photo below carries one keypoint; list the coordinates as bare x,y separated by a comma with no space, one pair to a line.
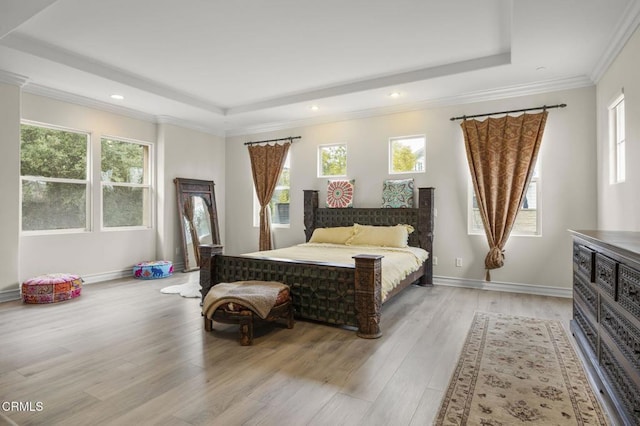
435,260
458,262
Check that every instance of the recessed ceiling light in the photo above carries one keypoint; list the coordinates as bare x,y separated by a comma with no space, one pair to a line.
394,95
117,97
314,107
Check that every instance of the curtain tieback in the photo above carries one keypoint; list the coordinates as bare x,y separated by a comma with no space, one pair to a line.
494,260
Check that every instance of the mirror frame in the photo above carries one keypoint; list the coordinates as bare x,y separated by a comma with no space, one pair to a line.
186,188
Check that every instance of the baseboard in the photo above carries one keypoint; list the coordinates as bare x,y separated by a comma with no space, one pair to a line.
9,295
504,286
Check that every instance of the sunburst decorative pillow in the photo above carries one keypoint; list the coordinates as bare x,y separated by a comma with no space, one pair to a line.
340,193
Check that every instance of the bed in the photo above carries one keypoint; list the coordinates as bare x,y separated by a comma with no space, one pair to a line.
333,293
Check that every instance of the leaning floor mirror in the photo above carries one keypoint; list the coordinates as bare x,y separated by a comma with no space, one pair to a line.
198,218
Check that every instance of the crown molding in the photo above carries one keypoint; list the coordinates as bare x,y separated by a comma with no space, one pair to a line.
377,82
625,28
13,79
72,98
575,82
70,59
167,119
63,96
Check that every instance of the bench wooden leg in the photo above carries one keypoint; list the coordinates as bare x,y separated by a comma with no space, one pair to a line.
208,324
246,329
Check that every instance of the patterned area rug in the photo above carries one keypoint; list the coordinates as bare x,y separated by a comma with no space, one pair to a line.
517,370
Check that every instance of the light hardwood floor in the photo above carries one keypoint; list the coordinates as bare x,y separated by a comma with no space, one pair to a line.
125,354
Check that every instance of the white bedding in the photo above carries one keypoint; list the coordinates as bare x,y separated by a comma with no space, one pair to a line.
397,263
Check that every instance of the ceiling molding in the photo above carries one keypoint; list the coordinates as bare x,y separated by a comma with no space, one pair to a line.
12,78
166,119
82,63
60,95
624,30
72,98
472,97
377,82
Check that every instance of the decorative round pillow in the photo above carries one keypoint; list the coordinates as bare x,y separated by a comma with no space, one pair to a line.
153,269
51,288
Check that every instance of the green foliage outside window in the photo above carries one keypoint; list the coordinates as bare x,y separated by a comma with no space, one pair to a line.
124,168
333,160
407,154
53,166
122,161
53,153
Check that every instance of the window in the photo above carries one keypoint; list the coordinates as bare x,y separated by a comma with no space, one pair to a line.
279,204
54,179
125,177
407,154
332,160
617,137
528,218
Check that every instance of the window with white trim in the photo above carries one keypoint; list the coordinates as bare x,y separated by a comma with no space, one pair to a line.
126,183
528,219
617,138
54,173
407,154
332,160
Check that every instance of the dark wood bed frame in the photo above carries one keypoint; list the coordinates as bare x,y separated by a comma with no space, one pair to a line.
325,292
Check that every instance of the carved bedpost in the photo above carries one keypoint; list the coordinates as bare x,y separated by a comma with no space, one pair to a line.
207,263
310,206
368,295
426,198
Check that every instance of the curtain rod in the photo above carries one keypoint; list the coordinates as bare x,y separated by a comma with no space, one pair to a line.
290,138
544,107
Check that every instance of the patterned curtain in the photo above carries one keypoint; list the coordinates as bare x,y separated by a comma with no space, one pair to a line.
267,162
502,155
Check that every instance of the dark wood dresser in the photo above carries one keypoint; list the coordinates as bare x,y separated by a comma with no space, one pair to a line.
606,315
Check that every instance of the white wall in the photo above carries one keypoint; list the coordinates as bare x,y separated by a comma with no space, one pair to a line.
619,204
186,154
568,199
98,255
9,185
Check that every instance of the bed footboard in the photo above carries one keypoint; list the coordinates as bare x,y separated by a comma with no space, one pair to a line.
334,294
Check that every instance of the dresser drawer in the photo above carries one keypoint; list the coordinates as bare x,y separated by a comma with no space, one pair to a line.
625,335
587,293
629,289
627,392
606,274
583,260
588,329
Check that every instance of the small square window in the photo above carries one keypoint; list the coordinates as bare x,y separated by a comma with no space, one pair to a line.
332,160
407,154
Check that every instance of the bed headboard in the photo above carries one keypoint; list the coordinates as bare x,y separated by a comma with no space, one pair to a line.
421,218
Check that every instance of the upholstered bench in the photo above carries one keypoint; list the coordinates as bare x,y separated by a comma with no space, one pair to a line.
51,288
153,269
242,302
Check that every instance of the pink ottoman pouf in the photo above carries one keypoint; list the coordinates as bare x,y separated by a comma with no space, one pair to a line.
51,288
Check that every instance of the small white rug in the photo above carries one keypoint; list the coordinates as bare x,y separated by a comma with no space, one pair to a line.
189,289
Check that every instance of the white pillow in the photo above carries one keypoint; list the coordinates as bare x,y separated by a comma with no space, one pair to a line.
336,235
382,236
